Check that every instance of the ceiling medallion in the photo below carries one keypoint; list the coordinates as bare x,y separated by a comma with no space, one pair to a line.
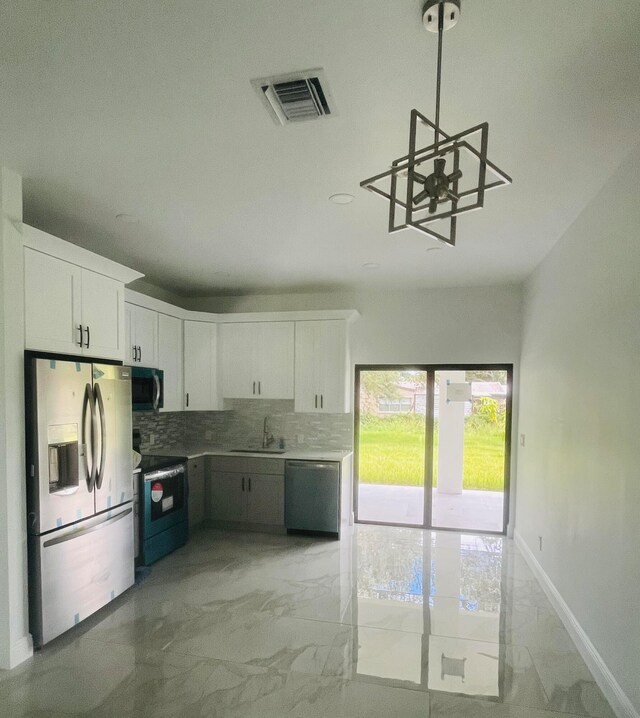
442,175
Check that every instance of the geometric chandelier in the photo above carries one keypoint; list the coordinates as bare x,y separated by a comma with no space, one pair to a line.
435,182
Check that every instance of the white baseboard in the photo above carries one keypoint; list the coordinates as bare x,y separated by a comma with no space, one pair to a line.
617,698
20,651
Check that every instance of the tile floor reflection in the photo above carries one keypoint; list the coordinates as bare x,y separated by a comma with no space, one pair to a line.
386,622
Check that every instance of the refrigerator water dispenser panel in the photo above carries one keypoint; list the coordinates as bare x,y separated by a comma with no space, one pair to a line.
63,458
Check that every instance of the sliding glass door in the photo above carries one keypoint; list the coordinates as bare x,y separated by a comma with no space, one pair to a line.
442,427
391,433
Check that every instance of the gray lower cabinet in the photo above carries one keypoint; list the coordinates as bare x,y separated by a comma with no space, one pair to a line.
226,499
245,490
265,499
195,474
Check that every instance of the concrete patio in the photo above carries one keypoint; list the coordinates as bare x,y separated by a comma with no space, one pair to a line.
472,510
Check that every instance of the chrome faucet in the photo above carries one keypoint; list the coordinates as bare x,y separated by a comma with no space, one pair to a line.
267,436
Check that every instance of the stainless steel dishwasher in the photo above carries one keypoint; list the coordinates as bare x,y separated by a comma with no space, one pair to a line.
312,496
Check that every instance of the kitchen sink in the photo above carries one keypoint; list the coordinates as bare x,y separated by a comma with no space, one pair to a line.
258,451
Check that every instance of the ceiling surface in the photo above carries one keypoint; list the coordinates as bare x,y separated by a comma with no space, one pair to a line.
146,108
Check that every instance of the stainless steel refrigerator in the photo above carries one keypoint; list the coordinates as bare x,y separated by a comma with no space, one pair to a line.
79,490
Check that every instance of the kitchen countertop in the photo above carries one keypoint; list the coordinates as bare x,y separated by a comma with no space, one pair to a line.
194,451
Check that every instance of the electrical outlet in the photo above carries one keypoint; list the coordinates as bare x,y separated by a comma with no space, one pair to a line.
152,439
521,439
540,543
300,438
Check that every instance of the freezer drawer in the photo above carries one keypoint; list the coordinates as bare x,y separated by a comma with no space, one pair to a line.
77,570
312,496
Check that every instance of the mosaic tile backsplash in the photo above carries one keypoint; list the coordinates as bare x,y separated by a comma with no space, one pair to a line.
240,425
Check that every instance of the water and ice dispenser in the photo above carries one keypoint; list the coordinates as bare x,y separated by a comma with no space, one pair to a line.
63,457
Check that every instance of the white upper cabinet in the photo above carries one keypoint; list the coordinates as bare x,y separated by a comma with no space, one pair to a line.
239,379
170,360
276,360
74,299
142,336
201,388
72,310
52,305
258,360
321,371
102,315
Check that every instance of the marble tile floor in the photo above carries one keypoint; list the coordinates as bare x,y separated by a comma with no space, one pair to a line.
385,622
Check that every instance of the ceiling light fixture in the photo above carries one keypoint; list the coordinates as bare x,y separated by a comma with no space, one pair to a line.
457,189
341,198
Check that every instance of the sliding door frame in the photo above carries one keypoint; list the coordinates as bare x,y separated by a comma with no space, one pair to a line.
431,369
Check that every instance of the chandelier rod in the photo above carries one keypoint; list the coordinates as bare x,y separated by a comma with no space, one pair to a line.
436,132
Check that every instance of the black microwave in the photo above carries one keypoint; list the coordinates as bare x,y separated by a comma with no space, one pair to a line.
147,388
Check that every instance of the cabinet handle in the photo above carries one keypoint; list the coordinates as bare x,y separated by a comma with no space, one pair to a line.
80,343
88,336
259,392
187,398
139,352
322,401
254,387
249,483
316,401
243,483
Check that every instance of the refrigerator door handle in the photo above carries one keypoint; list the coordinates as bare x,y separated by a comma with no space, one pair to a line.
156,398
83,532
103,436
90,404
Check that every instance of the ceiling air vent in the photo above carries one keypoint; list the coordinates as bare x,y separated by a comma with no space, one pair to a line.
296,97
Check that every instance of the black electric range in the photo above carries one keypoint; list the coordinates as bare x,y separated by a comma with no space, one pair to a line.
163,491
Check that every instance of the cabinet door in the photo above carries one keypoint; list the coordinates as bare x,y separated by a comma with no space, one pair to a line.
275,354
265,499
131,353
200,367
226,499
147,336
170,351
195,473
144,325
306,369
239,355
103,316
331,351
52,303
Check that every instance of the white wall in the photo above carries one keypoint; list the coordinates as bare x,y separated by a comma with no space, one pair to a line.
579,472
466,324
15,642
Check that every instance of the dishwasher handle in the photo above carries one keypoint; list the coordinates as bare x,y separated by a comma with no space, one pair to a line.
311,465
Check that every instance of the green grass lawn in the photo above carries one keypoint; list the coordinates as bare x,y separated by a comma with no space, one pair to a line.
392,452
